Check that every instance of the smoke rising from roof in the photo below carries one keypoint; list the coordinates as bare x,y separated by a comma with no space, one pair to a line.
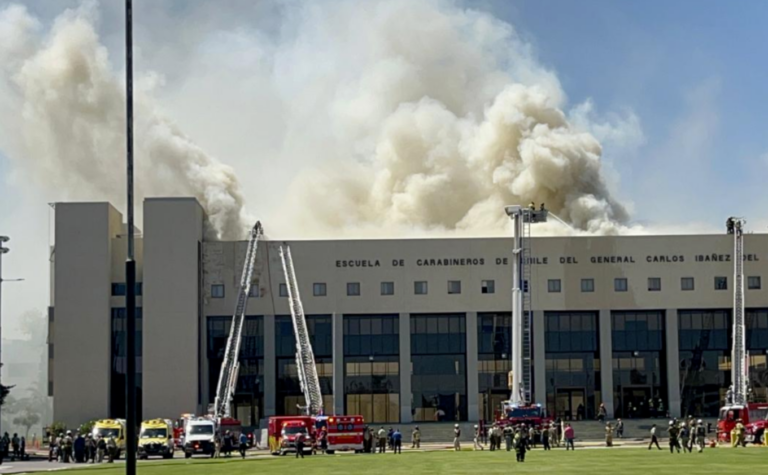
68,106
414,118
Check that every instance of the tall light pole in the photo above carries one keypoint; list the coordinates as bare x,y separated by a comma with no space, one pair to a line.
3,250
130,263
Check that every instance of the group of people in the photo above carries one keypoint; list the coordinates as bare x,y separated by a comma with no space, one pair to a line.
523,438
14,448
387,439
226,444
67,448
682,435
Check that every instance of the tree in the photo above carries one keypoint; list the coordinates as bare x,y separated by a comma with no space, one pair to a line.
87,427
4,391
26,420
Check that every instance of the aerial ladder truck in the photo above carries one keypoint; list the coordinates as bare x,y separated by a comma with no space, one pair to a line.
230,366
520,408
737,408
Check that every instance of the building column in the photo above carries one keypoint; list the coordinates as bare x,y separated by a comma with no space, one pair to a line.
473,384
270,367
539,359
673,362
338,363
405,368
606,361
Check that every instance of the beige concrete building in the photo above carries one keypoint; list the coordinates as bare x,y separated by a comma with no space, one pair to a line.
403,329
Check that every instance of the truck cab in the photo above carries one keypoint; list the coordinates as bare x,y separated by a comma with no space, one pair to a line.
156,439
200,437
754,416
107,428
531,415
284,430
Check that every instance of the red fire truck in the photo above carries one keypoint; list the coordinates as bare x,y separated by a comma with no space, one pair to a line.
753,415
530,415
283,430
343,432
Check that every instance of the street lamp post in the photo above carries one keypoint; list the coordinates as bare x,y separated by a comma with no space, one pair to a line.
3,250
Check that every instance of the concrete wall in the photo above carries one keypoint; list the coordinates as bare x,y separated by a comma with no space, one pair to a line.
82,288
173,233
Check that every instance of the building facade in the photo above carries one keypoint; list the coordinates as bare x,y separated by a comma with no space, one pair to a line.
403,329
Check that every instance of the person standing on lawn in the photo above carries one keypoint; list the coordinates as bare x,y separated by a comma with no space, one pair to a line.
456,438
569,435
654,439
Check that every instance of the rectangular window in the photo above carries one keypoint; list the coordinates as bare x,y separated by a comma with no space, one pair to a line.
217,291
140,288
753,283
654,284
587,285
254,291
387,288
686,283
454,286
319,289
488,287
420,287
620,284
721,283
283,290
554,286
118,290
353,289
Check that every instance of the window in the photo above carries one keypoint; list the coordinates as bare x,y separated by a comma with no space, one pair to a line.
387,288
140,288
319,289
686,283
118,289
283,290
420,287
454,286
525,286
353,289
217,291
587,285
553,286
620,284
254,291
753,283
721,283
488,287
654,284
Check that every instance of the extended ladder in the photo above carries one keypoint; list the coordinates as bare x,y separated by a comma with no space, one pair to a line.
305,357
526,258
230,366
739,365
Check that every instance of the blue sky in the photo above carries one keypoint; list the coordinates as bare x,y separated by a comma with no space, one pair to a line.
692,72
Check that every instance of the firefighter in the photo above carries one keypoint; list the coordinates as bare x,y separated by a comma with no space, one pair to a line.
608,435
68,446
366,440
521,445
416,438
619,428
673,432
685,437
545,437
701,435
456,438
737,434
111,449
101,448
476,440
300,445
508,436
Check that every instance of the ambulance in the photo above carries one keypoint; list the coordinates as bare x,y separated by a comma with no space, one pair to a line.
156,438
344,433
107,428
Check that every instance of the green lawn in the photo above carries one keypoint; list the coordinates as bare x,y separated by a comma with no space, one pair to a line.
585,461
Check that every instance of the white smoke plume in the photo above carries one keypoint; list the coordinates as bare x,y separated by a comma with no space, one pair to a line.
400,117
65,123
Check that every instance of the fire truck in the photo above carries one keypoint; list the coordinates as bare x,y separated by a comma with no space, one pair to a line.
344,433
282,432
737,407
519,409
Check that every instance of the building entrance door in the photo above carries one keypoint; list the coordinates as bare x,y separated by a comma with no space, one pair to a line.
570,404
634,402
